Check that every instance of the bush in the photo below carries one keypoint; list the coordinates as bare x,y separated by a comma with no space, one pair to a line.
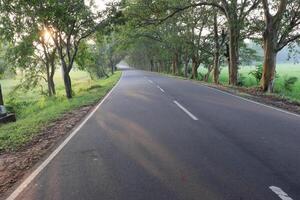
241,80
289,82
257,73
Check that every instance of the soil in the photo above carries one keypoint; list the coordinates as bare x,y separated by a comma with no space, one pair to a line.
15,164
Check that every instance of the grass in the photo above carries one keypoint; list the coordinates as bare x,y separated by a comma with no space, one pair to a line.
35,111
283,70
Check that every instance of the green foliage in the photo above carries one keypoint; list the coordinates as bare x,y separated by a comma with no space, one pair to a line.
289,82
32,116
248,55
257,73
241,80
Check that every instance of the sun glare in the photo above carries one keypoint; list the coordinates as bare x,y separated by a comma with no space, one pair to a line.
46,35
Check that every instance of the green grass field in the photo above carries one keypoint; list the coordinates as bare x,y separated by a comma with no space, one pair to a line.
34,110
283,70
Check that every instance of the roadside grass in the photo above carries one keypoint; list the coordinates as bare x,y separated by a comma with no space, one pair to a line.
34,111
283,70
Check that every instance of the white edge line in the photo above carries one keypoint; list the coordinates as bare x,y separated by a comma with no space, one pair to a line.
233,95
186,111
281,194
36,172
255,102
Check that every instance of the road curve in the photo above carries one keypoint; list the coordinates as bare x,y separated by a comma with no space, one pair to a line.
160,138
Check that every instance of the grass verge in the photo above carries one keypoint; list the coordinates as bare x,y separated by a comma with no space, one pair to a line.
32,116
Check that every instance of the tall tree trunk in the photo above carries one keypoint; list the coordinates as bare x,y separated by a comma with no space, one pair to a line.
175,64
194,68
151,65
233,54
270,37
186,65
216,70
206,76
68,85
270,42
112,67
161,66
67,81
48,80
52,84
1,96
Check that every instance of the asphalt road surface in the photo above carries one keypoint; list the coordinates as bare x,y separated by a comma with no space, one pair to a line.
161,138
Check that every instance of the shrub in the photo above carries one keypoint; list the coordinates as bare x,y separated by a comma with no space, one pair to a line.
257,73
241,80
289,82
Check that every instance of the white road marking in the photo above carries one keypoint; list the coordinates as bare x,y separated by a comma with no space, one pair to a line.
233,95
160,88
150,81
282,195
255,102
40,168
186,111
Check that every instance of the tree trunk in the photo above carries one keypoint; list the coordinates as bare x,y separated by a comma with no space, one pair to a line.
67,82
270,37
186,65
194,69
175,64
48,80
112,67
151,65
174,67
270,41
233,55
161,66
206,76
68,85
52,84
216,70
1,96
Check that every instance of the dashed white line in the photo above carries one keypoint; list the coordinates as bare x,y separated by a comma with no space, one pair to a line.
160,88
282,195
186,111
150,81
41,167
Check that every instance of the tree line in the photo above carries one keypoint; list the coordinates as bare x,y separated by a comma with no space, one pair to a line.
38,37
171,35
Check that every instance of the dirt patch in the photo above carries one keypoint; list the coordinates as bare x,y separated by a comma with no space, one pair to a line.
14,165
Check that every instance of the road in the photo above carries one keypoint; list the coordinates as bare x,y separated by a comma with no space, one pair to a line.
160,138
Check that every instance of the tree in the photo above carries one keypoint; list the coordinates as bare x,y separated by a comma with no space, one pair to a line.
70,22
31,48
236,13
49,59
281,29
